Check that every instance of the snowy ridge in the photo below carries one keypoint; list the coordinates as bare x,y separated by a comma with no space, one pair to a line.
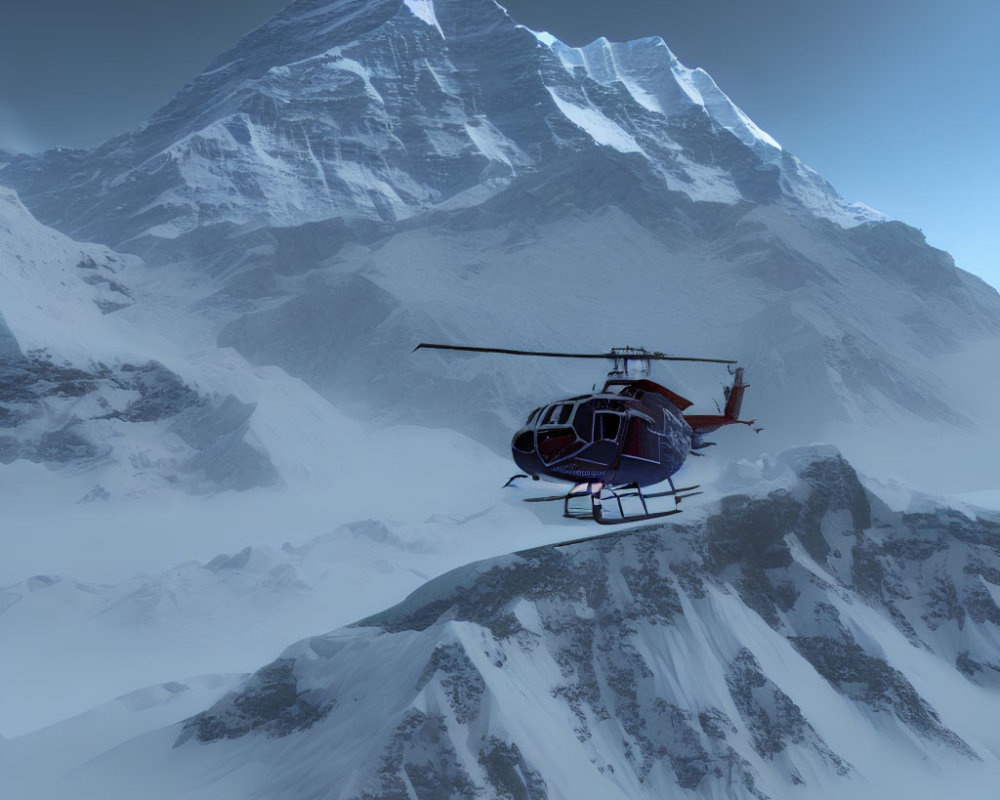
640,66
762,649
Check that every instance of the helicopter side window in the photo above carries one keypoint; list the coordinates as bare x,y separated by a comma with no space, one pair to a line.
607,426
558,414
607,404
640,443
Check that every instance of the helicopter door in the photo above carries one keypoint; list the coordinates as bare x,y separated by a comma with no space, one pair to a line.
607,426
641,442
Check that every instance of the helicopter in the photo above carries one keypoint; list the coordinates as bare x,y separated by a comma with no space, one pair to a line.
611,443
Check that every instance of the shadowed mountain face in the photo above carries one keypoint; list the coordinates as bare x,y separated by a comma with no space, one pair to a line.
802,638
355,177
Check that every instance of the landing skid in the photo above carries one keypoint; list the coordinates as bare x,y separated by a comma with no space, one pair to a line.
550,498
596,510
598,513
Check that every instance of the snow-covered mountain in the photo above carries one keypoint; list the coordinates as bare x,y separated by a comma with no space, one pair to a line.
795,639
383,110
355,177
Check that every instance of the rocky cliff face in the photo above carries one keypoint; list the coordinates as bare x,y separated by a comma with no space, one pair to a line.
798,639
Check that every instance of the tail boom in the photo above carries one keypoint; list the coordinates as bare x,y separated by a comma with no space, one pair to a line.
706,423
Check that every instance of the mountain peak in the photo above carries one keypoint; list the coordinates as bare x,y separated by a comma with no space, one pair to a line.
387,109
424,11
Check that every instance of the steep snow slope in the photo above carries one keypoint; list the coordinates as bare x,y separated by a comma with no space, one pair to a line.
800,639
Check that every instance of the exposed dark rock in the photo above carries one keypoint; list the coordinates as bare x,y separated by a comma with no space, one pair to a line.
901,253
746,540
716,723
980,531
943,605
269,702
689,576
976,671
672,735
750,532
508,774
981,605
420,755
834,486
867,572
542,573
234,562
753,695
161,393
870,680
10,450
459,678
653,591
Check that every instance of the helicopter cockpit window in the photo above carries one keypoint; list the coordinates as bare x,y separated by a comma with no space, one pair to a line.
557,443
532,416
607,426
609,404
558,414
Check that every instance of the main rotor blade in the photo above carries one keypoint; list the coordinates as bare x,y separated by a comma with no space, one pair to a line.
611,355
507,351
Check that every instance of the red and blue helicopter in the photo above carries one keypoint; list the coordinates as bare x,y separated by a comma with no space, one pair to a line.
610,444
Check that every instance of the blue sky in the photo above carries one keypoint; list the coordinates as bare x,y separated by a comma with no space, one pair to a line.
895,102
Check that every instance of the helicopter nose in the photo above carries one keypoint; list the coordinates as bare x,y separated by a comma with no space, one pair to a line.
524,441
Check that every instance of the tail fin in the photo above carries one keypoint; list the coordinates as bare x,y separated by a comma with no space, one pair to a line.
734,396
705,423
